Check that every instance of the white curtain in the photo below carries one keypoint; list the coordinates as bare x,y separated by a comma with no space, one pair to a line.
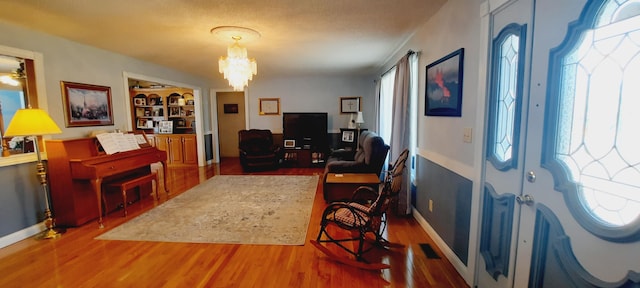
400,129
385,107
397,122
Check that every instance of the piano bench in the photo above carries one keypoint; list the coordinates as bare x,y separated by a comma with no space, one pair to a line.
130,183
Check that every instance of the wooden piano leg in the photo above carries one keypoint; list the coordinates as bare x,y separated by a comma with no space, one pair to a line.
97,187
164,176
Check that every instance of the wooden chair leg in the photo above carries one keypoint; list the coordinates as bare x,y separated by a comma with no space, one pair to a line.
124,201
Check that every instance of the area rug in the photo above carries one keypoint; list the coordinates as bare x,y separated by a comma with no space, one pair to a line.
247,209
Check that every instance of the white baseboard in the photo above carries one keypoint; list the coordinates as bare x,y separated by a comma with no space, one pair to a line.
21,235
462,269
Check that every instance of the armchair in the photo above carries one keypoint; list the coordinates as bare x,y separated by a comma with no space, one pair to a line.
368,158
257,151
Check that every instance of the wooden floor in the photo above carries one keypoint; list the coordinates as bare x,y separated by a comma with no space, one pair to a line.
77,260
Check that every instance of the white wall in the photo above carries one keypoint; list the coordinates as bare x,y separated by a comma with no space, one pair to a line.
311,94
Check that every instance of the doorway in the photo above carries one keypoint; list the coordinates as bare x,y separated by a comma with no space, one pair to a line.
231,119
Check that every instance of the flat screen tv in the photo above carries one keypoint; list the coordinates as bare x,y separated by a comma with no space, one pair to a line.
308,129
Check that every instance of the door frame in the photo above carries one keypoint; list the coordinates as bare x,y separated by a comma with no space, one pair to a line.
197,95
214,117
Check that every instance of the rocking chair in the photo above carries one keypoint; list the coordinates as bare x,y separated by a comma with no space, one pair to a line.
363,218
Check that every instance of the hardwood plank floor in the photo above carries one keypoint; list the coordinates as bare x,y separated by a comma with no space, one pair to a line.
77,260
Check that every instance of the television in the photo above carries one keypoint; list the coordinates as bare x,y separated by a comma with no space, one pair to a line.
307,129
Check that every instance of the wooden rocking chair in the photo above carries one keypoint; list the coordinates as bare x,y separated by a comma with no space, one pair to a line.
364,218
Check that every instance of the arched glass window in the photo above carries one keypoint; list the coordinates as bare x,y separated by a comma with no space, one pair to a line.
506,96
594,111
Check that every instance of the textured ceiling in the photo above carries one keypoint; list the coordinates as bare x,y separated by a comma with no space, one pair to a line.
297,36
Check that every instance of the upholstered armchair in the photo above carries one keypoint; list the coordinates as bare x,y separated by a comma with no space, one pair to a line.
368,158
257,151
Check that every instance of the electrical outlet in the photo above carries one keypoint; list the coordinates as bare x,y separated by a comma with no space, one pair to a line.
467,136
430,205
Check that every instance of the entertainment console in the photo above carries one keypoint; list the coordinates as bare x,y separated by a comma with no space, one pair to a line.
306,140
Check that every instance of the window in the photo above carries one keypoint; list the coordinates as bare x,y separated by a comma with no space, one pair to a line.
593,117
386,104
506,97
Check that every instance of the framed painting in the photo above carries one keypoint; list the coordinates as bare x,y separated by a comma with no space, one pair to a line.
269,106
443,93
230,108
86,104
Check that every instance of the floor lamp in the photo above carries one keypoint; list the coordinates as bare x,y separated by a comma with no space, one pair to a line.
35,122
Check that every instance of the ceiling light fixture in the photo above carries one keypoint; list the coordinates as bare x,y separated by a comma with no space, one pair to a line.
236,67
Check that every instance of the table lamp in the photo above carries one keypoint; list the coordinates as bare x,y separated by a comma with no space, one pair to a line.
359,119
35,122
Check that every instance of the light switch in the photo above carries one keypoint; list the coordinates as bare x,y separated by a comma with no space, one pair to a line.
468,132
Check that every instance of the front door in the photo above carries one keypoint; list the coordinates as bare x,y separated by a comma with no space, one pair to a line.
575,219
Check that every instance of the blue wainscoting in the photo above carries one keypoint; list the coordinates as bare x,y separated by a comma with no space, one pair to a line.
21,198
451,196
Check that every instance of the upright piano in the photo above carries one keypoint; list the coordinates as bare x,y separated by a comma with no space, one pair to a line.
77,168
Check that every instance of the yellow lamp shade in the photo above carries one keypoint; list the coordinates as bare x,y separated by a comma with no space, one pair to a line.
31,122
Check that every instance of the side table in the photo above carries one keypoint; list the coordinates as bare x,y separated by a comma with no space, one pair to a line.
340,186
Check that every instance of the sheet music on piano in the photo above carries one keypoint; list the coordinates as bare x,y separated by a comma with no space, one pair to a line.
117,142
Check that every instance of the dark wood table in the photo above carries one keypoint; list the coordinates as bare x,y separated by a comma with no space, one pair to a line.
340,186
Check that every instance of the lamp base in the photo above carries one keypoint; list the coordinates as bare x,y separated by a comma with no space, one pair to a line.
51,233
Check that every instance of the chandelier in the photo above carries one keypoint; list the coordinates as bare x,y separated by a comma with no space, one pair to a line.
236,67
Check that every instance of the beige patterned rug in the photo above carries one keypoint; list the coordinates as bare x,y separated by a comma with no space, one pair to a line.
251,209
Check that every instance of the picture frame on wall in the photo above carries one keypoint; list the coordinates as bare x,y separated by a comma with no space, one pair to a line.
86,104
269,106
443,93
350,105
230,108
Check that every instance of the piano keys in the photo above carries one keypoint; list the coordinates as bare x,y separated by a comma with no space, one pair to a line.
77,170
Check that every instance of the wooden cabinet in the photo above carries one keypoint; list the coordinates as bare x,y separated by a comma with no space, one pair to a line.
189,151
180,148
152,105
303,158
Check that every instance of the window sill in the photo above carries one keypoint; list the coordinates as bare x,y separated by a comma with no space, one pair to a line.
20,159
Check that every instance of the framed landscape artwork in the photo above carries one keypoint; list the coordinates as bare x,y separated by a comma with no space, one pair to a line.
86,105
444,86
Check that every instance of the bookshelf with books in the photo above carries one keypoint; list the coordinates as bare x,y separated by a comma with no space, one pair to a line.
150,106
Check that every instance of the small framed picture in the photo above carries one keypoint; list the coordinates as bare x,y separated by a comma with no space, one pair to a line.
139,101
289,143
174,111
165,127
349,104
348,136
